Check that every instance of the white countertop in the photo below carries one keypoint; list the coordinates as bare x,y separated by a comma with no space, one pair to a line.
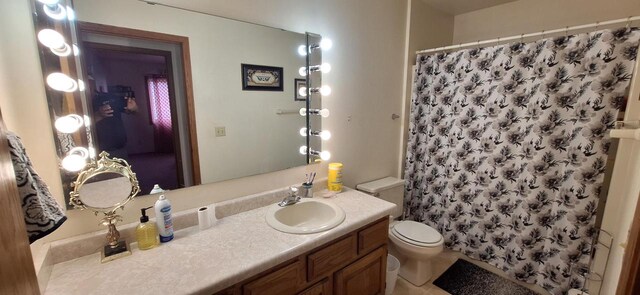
202,262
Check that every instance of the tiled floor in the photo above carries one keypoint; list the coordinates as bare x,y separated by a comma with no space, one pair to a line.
440,265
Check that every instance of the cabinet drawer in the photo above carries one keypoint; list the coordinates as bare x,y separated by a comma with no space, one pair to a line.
330,258
373,237
283,281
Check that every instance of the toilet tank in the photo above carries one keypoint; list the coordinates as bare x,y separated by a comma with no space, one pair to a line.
390,189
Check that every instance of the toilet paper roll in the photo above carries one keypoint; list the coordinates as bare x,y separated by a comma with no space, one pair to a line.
204,218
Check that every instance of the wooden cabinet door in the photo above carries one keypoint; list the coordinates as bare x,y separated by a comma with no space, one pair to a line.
323,287
366,276
280,282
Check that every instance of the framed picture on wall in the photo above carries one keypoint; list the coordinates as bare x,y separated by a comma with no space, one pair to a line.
297,84
262,78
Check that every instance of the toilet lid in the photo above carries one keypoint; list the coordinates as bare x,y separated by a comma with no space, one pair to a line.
415,232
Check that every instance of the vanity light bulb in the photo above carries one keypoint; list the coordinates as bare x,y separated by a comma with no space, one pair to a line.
303,112
71,15
55,11
324,113
303,149
325,135
51,39
81,151
69,123
302,50
302,91
325,68
76,50
61,82
326,44
325,90
303,131
325,155
48,2
73,162
302,71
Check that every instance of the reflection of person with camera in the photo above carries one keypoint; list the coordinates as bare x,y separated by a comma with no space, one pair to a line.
110,130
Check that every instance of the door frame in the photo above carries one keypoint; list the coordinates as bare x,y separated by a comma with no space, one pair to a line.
183,43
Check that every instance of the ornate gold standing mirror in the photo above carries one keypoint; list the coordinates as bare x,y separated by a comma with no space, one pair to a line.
104,186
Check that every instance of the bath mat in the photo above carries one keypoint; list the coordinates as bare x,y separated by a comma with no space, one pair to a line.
466,278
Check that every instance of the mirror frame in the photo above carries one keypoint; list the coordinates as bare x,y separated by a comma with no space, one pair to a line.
104,165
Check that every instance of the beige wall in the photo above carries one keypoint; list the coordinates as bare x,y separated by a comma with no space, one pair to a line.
367,58
528,16
427,27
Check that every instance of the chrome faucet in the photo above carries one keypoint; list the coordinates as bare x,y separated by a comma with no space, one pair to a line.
291,199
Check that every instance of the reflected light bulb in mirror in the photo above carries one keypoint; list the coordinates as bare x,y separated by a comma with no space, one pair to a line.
83,152
302,71
325,68
69,123
325,90
61,82
326,43
303,131
302,50
51,39
303,149
303,112
325,135
73,162
324,113
56,11
325,155
48,2
302,91
71,15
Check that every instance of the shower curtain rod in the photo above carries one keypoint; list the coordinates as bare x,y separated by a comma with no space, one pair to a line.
542,33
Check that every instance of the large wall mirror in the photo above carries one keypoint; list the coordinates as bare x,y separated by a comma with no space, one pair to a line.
183,96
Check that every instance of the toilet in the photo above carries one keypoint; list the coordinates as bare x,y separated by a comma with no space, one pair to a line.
413,243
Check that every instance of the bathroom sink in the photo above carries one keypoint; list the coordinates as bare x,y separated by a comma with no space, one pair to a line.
305,217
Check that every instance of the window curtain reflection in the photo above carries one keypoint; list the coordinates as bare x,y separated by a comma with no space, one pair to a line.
160,109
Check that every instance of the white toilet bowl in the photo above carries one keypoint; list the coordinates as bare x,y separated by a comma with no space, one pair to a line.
414,244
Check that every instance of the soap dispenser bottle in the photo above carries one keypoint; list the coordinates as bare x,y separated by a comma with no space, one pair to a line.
146,232
163,219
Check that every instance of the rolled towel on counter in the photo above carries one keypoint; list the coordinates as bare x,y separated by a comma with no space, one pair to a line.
42,213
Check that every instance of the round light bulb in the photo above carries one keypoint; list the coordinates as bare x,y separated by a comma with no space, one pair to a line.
302,91
325,90
303,112
55,11
74,162
326,43
325,155
48,2
71,15
51,39
61,82
303,150
303,131
325,135
69,123
325,68
302,71
83,152
324,113
302,50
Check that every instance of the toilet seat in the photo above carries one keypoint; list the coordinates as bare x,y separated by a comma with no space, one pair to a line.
417,234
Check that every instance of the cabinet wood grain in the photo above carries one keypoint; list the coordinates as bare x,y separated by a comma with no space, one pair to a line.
332,257
365,276
283,281
373,237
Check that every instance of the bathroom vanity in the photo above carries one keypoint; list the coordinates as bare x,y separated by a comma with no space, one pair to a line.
242,254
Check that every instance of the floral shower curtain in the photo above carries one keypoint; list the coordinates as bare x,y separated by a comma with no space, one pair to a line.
508,145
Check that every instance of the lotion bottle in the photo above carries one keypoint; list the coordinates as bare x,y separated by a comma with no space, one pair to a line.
163,219
146,232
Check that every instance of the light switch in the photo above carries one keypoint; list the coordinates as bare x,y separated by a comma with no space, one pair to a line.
220,131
